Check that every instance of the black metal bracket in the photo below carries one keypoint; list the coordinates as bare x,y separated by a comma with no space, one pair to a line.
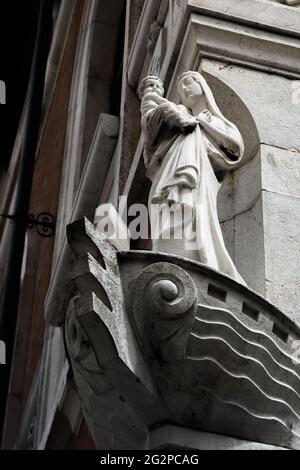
44,223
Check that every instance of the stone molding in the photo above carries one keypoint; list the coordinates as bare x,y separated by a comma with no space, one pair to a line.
233,43
262,14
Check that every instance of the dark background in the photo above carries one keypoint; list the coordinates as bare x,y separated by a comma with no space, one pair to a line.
17,33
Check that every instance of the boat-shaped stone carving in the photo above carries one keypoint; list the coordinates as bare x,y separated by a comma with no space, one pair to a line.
155,338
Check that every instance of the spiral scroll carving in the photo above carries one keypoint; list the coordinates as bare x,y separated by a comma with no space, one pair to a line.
164,298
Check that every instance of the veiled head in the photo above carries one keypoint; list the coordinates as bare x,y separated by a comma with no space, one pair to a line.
190,88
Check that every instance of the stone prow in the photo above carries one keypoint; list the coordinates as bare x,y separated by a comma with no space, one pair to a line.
175,341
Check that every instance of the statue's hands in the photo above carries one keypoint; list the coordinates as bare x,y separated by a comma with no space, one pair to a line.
189,124
176,116
204,117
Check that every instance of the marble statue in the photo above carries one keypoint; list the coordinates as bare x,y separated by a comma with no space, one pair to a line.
186,145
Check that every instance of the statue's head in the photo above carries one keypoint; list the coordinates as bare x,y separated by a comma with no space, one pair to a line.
190,88
151,84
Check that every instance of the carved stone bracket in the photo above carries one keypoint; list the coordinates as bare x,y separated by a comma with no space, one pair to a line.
118,398
157,338
98,373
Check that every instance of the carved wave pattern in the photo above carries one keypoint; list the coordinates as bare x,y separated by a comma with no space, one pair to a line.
241,379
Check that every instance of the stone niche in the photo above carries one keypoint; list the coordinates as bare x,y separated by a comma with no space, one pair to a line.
259,203
254,75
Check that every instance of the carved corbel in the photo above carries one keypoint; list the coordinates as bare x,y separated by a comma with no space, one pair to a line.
157,338
117,395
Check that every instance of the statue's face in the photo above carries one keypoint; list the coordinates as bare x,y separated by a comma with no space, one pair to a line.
153,86
190,91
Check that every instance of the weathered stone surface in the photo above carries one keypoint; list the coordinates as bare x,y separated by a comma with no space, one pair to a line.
281,225
259,212
240,189
177,342
228,231
254,12
258,209
280,171
253,49
96,265
116,405
282,251
232,105
117,393
179,437
241,217
268,97
249,246
225,355
247,185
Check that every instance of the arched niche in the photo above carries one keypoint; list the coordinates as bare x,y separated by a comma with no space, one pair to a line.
240,187
239,198
234,108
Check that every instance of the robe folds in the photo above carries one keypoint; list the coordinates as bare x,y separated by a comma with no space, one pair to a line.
181,163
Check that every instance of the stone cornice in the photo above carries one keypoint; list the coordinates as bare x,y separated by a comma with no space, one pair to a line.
259,13
233,43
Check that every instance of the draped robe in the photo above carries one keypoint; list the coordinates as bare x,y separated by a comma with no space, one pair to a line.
181,167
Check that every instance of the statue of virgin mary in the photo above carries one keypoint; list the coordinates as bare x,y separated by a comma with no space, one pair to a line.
185,146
